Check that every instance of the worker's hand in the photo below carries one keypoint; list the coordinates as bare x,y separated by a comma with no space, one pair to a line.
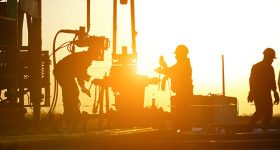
86,91
250,97
162,62
159,70
276,98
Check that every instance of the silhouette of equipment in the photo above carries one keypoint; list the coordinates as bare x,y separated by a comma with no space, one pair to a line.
24,69
128,87
96,46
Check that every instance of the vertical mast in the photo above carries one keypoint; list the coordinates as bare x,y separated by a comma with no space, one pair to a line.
223,76
133,32
115,28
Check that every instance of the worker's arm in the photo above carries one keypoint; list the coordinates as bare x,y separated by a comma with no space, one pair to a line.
251,94
161,70
276,98
278,81
274,89
163,66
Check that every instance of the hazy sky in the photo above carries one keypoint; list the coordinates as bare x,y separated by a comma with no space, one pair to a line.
239,29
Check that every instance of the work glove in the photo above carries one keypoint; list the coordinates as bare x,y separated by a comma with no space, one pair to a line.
276,98
250,97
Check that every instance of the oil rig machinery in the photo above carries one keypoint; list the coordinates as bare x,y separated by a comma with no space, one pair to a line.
24,69
25,72
128,94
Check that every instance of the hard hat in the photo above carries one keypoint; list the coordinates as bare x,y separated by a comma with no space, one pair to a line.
181,50
269,52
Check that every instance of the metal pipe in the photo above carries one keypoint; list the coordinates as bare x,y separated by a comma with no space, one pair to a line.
88,16
12,51
35,54
114,28
101,100
133,32
107,100
223,76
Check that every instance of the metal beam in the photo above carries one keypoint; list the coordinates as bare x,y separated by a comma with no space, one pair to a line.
35,44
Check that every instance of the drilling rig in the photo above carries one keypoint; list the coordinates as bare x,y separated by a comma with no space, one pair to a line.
25,70
127,86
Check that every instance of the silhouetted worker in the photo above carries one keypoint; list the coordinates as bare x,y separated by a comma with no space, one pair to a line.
181,84
66,71
262,82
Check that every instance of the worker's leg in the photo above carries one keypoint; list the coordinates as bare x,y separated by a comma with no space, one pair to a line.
174,113
257,114
181,111
70,94
268,112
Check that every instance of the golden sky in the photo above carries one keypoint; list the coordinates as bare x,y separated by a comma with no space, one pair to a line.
239,29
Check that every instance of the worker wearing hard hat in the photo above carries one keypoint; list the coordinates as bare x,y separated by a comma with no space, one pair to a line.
181,84
69,69
262,82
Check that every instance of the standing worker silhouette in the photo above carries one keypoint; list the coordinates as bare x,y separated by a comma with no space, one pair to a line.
181,84
66,71
262,82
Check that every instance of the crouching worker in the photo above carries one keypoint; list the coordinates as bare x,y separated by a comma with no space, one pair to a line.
71,68
181,85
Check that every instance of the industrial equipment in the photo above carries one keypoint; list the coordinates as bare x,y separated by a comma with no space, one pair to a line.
214,110
128,86
24,70
96,44
128,94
